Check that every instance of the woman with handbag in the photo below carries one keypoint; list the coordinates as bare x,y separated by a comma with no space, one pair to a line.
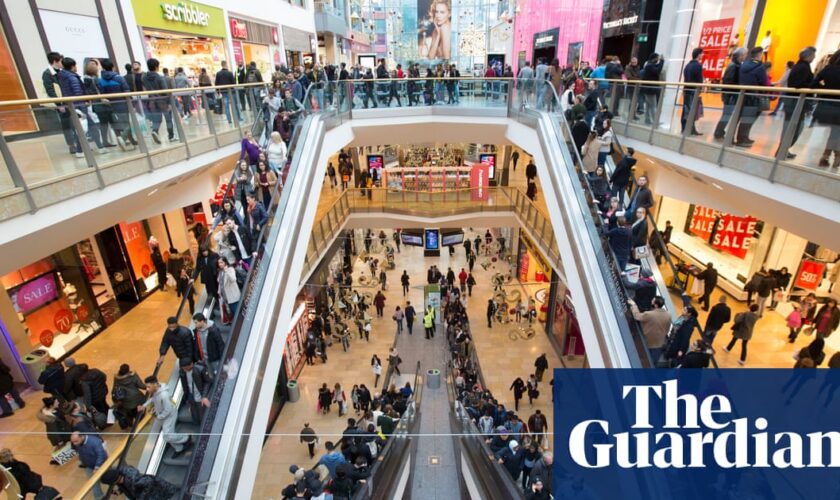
599,186
604,139
742,329
680,337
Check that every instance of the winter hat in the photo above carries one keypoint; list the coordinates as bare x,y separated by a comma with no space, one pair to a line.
69,362
514,444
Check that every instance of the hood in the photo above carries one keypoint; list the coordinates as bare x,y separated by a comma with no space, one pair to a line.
751,66
108,75
46,415
123,378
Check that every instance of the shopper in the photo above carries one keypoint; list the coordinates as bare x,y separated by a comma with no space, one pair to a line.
376,363
731,76
71,85
410,314
692,73
379,302
180,339
229,290
196,381
541,365
656,324
680,338
742,330
799,76
530,171
157,107
827,319
709,277
167,414
651,73
398,319
828,109
308,436
127,395
395,360
429,323
519,389
128,481
92,454
718,316
752,73
470,281
620,178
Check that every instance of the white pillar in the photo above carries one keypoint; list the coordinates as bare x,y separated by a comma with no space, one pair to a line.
672,44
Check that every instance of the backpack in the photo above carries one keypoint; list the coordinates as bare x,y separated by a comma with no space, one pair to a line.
251,77
241,276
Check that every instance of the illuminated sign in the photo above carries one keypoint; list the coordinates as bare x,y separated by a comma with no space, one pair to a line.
185,13
238,29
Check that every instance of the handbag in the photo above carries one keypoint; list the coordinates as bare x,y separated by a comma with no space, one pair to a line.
640,253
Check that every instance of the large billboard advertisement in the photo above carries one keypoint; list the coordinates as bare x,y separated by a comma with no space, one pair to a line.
434,29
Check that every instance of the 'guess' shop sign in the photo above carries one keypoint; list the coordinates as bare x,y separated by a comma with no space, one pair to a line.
728,233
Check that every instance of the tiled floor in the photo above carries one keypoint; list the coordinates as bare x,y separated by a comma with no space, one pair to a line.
132,339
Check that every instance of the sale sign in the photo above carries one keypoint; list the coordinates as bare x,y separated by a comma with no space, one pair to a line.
715,37
703,221
63,320
734,234
479,182
36,293
810,274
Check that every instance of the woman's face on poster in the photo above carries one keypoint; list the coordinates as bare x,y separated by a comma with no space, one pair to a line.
441,13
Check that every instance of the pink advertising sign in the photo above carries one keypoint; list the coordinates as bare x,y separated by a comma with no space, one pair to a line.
36,293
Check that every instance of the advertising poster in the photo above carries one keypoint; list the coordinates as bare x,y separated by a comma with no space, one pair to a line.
434,29
238,57
703,222
431,239
489,159
810,274
695,434
715,37
137,246
479,182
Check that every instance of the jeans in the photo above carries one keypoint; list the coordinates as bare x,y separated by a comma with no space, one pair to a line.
688,98
650,108
227,105
97,487
745,122
70,136
589,117
789,107
156,117
728,109
761,301
602,157
618,191
710,335
399,326
743,347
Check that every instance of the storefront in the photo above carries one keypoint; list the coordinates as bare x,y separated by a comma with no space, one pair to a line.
531,265
257,42
187,34
577,24
740,245
621,30
563,326
545,45
300,46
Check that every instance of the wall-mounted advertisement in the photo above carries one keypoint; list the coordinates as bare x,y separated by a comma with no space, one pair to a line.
434,29
715,37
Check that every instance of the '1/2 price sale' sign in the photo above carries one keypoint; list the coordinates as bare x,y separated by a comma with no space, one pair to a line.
714,40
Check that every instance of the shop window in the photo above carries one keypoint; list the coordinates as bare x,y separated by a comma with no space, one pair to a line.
16,118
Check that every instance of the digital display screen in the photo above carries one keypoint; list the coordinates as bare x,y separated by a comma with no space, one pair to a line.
376,162
489,159
431,238
411,239
449,239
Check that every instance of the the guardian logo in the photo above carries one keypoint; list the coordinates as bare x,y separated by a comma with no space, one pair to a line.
696,432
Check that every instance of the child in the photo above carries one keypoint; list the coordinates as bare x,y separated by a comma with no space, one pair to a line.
794,322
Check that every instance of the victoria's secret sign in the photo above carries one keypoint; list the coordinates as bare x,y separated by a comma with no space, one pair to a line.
728,233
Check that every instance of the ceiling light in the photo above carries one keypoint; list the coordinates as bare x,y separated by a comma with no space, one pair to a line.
153,191
715,184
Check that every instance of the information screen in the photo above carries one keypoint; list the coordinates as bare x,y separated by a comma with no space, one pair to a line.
489,159
376,162
411,239
431,238
449,239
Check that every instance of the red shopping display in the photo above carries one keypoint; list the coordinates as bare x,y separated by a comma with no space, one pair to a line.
479,182
63,320
810,274
715,37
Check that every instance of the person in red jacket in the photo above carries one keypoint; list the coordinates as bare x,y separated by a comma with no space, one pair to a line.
462,279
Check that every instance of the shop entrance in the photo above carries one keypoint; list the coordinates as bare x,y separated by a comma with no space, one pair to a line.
547,53
190,52
621,46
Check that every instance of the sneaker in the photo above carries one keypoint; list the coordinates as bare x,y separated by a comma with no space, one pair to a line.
726,349
156,137
742,362
102,151
79,154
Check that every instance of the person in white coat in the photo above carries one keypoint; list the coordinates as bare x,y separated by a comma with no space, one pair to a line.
167,413
277,152
229,292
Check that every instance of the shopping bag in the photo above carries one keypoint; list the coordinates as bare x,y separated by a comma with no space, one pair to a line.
112,417
63,455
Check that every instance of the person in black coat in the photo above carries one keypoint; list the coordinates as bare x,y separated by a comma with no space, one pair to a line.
709,277
731,76
828,109
530,170
180,339
718,316
651,72
600,186
94,384
642,197
800,77
692,73
213,345
700,356
580,134
72,390
52,378
639,230
28,481
620,177
680,338
752,73
208,268
620,241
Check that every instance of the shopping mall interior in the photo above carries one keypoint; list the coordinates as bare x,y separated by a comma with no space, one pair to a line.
298,279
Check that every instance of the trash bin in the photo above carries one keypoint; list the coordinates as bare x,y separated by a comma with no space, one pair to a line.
433,378
34,363
294,391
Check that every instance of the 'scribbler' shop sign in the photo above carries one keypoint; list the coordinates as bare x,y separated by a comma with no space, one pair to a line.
188,14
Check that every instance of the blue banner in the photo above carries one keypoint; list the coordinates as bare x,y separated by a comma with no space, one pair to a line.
738,434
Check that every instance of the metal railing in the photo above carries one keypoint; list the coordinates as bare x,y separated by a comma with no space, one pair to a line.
735,126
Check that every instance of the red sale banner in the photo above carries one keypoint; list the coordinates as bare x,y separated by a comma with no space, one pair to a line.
703,221
810,274
479,182
63,320
714,40
734,234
